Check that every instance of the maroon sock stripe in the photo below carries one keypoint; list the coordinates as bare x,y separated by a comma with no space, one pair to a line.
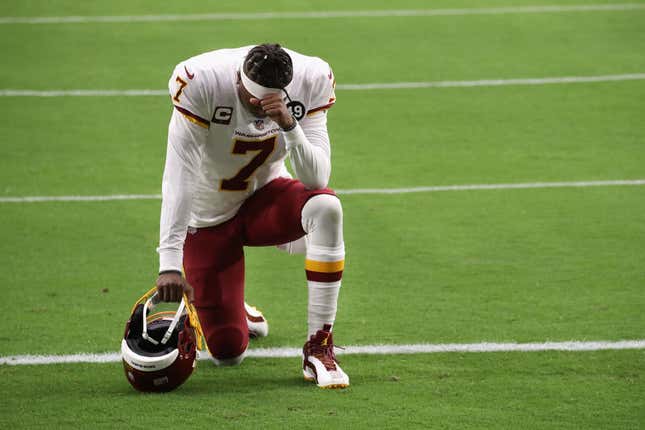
324,277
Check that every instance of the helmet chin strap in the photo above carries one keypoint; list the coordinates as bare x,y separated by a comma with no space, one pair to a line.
174,322
150,303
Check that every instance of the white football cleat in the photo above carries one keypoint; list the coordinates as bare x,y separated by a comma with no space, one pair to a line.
319,361
258,325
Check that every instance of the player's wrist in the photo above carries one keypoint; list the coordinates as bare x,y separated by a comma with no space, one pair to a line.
170,260
170,272
294,137
289,124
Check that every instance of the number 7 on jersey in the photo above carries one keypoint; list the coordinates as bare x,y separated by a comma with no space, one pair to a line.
239,182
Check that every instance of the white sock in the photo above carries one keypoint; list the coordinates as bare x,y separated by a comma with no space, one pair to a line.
322,305
322,219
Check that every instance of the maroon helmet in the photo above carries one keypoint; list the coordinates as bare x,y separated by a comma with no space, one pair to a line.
159,350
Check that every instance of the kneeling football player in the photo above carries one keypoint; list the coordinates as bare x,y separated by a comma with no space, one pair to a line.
238,113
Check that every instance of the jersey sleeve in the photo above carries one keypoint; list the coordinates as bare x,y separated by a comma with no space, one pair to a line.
183,155
187,134
189,94
308,143
323,94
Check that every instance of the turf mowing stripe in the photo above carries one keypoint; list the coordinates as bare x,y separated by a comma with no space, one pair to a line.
348,87
580,184
321,14
112,357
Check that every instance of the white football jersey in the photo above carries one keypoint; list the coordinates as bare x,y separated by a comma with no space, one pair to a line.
218,152
242,153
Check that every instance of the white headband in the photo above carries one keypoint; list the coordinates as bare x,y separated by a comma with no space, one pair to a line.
254,88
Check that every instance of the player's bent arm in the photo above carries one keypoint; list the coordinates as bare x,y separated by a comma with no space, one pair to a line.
185,140
309,152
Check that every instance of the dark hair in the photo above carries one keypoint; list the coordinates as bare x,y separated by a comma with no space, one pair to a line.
269,65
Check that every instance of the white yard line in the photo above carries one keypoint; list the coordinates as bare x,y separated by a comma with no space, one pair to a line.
430,189
348,87
579,184
322,14
81,93
113,357
492,82
37,199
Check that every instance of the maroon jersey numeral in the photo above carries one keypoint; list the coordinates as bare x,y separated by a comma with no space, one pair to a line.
239,181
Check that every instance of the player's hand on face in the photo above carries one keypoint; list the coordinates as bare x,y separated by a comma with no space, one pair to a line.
274,106
171,286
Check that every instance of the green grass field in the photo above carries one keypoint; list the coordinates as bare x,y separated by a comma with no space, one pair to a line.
506,265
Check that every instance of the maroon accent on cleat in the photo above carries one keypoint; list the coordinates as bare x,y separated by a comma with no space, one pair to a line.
321,346
312,368
253,318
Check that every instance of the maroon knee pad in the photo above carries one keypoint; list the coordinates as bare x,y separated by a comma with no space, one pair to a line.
226,337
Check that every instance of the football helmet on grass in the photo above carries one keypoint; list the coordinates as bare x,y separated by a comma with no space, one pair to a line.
159,350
